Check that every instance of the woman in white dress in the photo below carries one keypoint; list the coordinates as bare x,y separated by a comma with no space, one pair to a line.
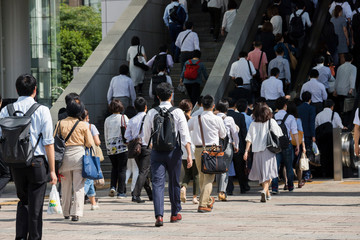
264,167
229,17
136,73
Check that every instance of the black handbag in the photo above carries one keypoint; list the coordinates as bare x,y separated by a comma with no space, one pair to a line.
59,144
136,60
212,159
272,141
134,146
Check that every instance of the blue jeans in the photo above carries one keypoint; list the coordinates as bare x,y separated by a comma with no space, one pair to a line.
89,188
286,156
308,145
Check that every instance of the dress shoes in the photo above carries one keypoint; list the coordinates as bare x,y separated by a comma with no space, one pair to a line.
211,205
301,184
66,217
137,199
222,197
75,218
176,218
159,221
204,209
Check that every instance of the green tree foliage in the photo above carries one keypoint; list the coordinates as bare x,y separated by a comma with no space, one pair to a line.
80,33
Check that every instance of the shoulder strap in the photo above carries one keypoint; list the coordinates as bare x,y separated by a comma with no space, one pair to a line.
284,119
123,121
262,52
171,109
190,62
142,123
32,109
184,38
302,13
57,129
332,116
249,68
201,131
11,109
72,130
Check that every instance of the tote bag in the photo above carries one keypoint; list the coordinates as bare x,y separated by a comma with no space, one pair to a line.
91,165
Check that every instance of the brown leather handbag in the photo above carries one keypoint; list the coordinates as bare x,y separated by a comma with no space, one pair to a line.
134,146
212,159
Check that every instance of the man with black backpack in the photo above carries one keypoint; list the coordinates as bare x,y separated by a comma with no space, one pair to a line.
30,170
288,125
156,80
299,20
174,18
165,129
163,57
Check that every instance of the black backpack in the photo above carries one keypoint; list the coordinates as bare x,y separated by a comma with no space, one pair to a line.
15,146
163,135
177,14
160,58
324,131
156,80
296,27
284,139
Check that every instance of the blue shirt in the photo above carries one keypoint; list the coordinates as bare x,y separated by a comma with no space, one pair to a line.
290,122
248,120
41,122
166,16
324,74
317,90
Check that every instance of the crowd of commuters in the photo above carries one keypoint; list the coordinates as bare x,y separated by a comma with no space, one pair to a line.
240,123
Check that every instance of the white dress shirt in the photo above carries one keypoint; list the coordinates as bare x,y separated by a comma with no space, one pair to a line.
283,65
317,90
218,4
121,86
197,112
305,18
346,8
168,80
229,17
277,22
257,134
356,118
41,122
169,60
324,74
241,69
232,130
290,122
345,78
325,116
133,128
179,119
272,88
190,43
213,128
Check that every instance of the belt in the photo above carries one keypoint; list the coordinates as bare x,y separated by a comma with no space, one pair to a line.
246,84
200,146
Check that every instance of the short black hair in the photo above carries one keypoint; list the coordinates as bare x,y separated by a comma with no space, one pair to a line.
163,48
257,44
329,103
75,109
232,4
300,5
260,100
208,101
135,41
140,104
124,69
222,106
280,103
25,84
306,96
232,102
164,91
239,81
197,53
130,111
314,73
274,71
320,59
241,105
189,25
242,54
71,96
199,102
279,50
348,57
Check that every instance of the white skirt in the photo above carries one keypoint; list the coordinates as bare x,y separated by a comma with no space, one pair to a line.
264,166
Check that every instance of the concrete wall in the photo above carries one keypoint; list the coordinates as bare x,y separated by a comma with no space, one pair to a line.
110,12
93,79
239,38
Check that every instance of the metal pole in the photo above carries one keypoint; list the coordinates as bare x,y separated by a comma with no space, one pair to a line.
338,166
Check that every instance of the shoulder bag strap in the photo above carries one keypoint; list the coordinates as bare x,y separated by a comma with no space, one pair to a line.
142,123
123,121
249,68
184,38
72,130
57,129
332,116
284,119
260,60
32,109
201,131
11,109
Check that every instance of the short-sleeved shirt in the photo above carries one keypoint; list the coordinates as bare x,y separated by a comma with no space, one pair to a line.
356,118
254,57
290,122
241,69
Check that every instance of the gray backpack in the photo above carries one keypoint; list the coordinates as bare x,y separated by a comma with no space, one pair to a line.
15,146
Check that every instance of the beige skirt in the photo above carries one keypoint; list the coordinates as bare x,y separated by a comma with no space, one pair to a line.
72,158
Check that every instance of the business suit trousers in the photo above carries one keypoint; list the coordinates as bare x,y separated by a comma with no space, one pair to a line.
73,180
205,181
143,163
240,170
30,185
160,163
4,175
223,178
215,20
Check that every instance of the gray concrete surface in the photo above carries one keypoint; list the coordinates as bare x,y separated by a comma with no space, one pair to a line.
323,209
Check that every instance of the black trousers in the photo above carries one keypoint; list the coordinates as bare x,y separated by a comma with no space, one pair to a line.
240,170
215,21
143,180
319,106
193,90
30,185
4,175
118,171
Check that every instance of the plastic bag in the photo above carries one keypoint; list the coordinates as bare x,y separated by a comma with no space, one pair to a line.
54,202
304,163
181,88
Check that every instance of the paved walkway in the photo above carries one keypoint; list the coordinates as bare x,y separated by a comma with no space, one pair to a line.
320,210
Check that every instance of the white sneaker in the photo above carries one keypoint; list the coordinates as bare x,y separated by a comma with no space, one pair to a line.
195,201
263,197
183,194
95,207
268,198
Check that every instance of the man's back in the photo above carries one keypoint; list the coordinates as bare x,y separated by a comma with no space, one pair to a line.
242,69
283,65
240,122
317,90
324,75
240,92
345,78
307,115
272,89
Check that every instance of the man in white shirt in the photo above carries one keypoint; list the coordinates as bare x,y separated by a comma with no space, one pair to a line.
317,90
213,129
134,130
286,155
31,181
156,80
272,88
243,68
326,116
169,160
284,67
187,41
324,72
162,57
300,11
122,88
